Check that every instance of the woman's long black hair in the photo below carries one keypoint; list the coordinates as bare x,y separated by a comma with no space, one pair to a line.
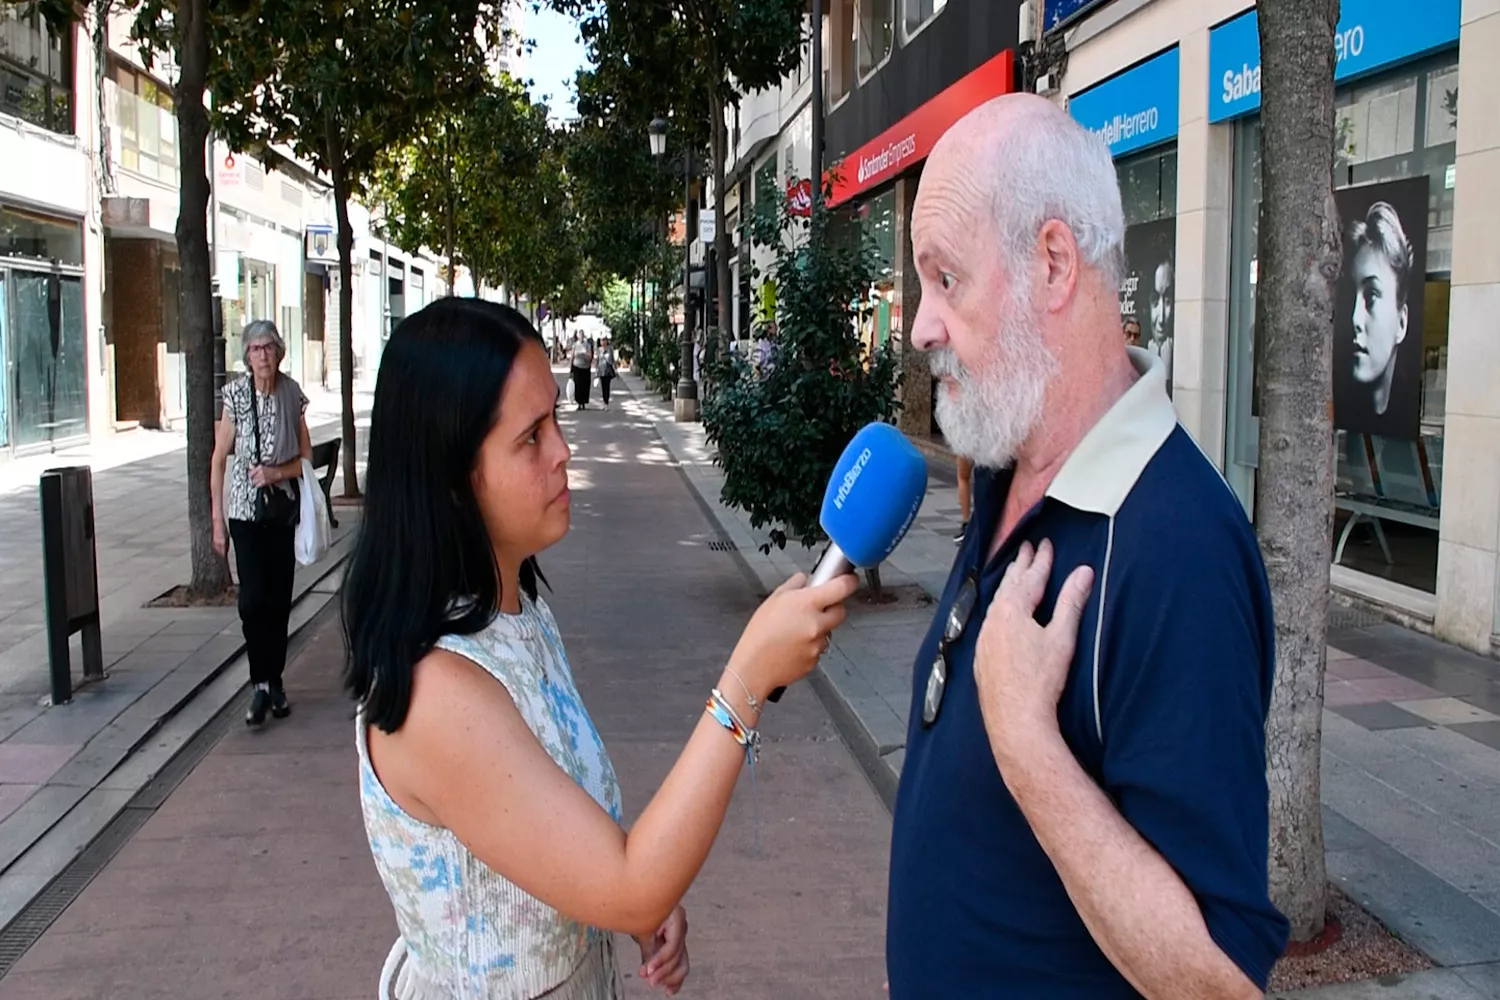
423,564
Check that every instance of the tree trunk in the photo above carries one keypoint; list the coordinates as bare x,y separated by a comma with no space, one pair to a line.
346,303
721,231
452,209
1299,262
195,315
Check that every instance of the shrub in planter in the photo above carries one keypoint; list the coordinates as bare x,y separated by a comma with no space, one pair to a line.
780,432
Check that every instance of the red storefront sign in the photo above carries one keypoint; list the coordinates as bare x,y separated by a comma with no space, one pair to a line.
910,140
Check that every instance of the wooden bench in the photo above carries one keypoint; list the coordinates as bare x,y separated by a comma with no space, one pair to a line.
325,455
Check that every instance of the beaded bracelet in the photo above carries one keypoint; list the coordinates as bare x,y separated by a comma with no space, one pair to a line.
724,713
726,716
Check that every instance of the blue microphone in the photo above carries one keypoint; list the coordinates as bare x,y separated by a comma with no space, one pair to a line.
872,498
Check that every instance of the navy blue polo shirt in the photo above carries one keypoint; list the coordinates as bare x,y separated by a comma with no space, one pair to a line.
1164,707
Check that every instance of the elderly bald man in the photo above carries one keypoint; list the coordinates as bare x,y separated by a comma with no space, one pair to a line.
1083,806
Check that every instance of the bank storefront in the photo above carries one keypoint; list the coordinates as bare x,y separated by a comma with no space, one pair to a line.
1135,112
1395,174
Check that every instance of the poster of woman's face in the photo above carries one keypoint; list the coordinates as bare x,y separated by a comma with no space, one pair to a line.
1148,296
1377,348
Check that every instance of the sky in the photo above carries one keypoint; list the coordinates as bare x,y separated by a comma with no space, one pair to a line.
554,62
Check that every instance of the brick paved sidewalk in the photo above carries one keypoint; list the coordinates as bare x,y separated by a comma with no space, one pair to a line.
253,878
67,770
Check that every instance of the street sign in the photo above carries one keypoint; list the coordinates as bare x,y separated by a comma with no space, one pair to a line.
1057,13
708,224
230,172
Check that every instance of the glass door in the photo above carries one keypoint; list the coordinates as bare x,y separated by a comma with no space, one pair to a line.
47,330
6,369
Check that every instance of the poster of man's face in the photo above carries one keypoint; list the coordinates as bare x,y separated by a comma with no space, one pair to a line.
1377,347
1148,296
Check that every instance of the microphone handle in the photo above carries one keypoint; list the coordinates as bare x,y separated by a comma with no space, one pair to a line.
833,565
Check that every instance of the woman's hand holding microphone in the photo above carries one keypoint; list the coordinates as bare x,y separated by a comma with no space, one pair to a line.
787,636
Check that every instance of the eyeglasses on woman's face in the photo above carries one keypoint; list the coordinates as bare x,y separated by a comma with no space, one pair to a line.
953,630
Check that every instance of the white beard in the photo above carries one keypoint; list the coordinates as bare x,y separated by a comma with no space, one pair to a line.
998,404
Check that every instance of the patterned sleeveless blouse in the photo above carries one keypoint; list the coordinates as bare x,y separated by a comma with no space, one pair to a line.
467,931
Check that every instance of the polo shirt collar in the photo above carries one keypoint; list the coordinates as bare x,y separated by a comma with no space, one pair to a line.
1103,469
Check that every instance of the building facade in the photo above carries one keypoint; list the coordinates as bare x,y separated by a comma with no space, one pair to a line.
1174,88
897,74
51,327
89,275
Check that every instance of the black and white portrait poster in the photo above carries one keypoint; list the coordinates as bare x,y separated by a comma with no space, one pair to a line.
1377,328
1148,297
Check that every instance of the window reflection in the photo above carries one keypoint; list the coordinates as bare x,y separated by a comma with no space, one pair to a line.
1388,492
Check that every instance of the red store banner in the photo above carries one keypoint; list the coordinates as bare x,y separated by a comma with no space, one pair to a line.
910,140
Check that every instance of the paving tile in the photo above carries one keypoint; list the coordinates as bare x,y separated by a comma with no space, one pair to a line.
1447,711
163,642
1381,715
1355,669
33,764
1390,689
1448,678
12,796
1487,733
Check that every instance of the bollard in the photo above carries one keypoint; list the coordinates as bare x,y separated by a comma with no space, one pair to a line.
70,575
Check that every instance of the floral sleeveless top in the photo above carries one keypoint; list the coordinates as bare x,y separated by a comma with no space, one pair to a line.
468,931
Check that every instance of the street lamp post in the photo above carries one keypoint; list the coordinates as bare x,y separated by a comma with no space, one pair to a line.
686,405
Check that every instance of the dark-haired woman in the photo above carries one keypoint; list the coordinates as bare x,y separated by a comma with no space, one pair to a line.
492,808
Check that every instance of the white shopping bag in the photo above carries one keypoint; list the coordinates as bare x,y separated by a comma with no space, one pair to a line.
313,532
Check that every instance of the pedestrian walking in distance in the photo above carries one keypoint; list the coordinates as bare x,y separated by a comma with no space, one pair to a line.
492,808
583,369
605,365
259,446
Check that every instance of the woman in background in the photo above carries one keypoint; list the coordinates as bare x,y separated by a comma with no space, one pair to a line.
583,371
605,363
264,433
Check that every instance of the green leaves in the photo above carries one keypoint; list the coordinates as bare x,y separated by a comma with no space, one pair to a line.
478,181
780,432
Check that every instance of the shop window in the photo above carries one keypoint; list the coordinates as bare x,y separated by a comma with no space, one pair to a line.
1396,150
918,12
40,237
766,187
140,109
840,62
804,58
36,70
1148,296
877,23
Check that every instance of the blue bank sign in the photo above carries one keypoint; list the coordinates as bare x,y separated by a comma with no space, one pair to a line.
1056,13
1134,110
1372,34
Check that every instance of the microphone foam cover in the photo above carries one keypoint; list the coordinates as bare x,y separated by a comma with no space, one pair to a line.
874,494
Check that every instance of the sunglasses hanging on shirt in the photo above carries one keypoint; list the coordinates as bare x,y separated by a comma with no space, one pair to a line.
953,630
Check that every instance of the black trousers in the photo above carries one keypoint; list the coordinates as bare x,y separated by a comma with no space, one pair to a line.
264,555
581,386
604,381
